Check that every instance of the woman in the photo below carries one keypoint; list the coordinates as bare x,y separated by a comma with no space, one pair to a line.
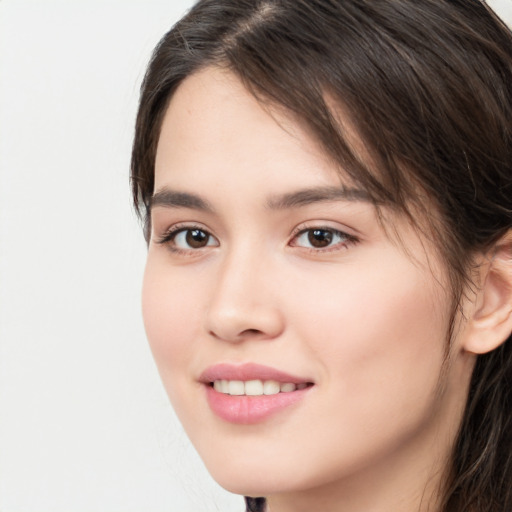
326,190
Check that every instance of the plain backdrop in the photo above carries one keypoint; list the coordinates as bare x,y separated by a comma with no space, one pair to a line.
84,423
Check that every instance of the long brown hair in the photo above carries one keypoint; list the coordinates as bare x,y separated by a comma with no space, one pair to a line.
428,86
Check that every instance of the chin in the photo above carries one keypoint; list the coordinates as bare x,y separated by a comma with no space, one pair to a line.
248,477
251,481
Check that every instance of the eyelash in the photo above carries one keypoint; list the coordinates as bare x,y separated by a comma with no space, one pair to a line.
168,238
348,239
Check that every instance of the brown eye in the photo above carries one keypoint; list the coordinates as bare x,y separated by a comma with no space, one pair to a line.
192,238
196,238
320,238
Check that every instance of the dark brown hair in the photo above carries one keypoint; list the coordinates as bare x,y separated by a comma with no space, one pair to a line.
428,86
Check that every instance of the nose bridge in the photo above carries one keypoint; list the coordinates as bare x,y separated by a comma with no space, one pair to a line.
243,303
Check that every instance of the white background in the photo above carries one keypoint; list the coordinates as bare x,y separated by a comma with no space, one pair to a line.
84,423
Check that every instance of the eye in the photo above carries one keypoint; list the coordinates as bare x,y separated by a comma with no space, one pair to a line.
192,239
322,238
187,239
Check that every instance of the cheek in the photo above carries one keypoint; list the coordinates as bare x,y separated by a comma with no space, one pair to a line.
171,308
380,336
380,317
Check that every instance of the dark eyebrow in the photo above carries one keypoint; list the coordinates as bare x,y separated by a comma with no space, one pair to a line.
175,199
316,195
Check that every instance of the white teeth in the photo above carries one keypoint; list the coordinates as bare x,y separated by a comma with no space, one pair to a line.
271,387
255,387
236,387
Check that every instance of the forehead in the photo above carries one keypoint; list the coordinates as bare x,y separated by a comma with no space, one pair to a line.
214,123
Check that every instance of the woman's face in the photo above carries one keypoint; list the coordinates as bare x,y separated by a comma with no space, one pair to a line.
268,273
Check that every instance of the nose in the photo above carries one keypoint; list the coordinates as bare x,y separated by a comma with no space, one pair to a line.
244,303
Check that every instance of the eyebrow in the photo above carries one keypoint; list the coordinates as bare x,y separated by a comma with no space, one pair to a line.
168,198
309,196
174,199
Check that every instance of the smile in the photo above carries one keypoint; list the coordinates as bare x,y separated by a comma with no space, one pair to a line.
251,393
255,387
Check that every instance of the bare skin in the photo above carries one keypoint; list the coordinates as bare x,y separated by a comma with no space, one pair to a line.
242,268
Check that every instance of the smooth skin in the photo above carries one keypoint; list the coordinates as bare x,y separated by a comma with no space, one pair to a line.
236,273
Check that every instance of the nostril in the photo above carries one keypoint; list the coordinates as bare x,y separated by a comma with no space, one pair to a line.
242,335
250,332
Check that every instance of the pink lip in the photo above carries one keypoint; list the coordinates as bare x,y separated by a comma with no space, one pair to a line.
246,410
247,371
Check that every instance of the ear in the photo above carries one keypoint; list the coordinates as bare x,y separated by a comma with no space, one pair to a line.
490,322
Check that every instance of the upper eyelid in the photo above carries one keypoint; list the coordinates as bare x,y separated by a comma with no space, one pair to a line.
167,240
327,225
349,238
173,229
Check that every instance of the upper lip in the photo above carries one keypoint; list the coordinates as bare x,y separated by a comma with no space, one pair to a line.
248,371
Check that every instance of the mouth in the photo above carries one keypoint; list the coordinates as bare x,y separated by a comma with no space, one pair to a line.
256,387
250,393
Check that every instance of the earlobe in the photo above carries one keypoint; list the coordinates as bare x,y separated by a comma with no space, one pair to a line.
490,323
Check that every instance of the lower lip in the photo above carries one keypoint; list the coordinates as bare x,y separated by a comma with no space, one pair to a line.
245,410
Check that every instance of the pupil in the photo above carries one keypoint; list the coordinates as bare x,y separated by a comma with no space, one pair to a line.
319,237
196,238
